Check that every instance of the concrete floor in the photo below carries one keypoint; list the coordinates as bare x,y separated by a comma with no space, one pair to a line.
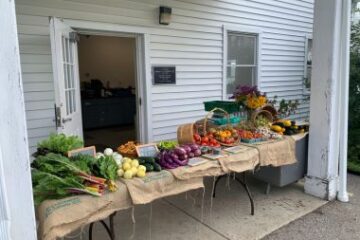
190,216
334,221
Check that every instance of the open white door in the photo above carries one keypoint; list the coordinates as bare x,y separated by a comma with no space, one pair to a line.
66,78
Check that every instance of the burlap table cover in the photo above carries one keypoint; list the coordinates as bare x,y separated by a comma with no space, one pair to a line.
207,169
276,152
157,185
58,218
240,162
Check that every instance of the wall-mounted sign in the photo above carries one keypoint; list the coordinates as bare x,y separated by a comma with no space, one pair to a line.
83,151
164,74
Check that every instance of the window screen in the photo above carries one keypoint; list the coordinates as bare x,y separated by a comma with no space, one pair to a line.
241,60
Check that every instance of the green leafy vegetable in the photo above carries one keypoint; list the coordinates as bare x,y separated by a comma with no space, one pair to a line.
84,162
59,143
105,167
55,176
59,165
50,186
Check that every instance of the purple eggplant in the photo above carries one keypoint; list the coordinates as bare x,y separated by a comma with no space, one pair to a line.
197,153
183,157
187,149
180,151
191,154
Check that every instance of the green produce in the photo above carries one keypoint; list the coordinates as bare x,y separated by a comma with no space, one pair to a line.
84,162
55,176
59,143
58,164
167,145
149,167
50,186
149,160
157,167
105,167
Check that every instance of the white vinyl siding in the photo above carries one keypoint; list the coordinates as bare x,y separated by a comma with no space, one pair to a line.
193,42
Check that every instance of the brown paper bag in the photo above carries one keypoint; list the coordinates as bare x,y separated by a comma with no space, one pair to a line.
240,162
207,169
58,218
157,185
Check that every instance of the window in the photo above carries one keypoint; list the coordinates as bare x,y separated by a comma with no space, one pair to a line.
241,64
308,63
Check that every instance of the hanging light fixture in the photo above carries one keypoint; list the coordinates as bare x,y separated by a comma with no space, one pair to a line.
165,15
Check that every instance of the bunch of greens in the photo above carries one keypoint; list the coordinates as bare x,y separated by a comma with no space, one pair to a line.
51,186
55,176
167,145
59,143
105,167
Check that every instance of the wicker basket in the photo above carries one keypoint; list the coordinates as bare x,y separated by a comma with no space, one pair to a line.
205,125
264,113
185,133
270,108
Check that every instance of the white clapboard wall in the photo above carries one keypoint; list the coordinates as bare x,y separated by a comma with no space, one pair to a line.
192,42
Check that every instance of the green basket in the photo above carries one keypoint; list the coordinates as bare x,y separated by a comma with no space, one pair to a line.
228,106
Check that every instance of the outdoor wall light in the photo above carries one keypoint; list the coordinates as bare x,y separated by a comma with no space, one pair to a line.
164,15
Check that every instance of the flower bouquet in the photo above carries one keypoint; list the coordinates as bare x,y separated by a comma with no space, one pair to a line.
250,97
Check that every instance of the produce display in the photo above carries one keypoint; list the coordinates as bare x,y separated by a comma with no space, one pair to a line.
128,149
262,121
167,145
55,176
208,140
58,143
179,156
224,136
267,133
287,127
150,164
250,137
131,168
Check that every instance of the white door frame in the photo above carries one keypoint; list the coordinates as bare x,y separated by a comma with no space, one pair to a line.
143,73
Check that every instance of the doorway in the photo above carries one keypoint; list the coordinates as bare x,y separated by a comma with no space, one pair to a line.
107,73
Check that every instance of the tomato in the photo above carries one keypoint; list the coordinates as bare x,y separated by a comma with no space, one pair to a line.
197,137
205,139
203,144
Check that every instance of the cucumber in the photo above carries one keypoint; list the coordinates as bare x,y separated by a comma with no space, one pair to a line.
150,160
157,167
141,161
149,167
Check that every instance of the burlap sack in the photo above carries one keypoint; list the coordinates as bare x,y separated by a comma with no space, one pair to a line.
299,136
240,162
157,185
277,152
210,168
58,218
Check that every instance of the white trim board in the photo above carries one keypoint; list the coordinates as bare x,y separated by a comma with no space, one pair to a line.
246,30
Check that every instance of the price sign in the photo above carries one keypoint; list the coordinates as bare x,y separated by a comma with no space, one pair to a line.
147,150
83,151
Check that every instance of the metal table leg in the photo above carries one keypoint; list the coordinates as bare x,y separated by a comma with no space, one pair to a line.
244,184
109,229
